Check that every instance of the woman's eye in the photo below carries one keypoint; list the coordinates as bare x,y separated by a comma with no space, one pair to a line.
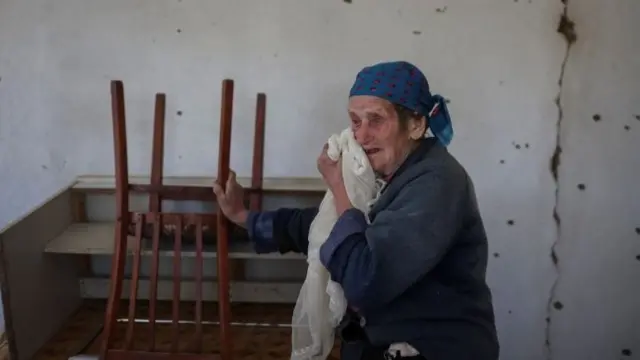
376,119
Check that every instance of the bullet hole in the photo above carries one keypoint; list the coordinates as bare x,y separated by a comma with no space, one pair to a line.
627,127
179,31
518,146
510,222
547,319
417,32
638,257
441,10
626,352
638,230
496,255
596,117
567,28
501,161
179,113
636,116
44,167
581,186
558,305
526,145
510,311
347,1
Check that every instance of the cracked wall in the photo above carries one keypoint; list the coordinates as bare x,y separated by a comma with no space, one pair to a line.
599,200
497,61
566,28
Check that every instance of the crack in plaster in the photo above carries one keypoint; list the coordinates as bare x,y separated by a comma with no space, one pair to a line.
567,29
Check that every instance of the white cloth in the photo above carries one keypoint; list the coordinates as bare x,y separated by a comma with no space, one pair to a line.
321,303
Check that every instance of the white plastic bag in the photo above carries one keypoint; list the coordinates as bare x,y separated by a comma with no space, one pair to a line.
321,303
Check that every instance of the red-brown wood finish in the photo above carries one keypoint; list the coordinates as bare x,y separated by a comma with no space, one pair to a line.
255,202
224,309
158,219
122,216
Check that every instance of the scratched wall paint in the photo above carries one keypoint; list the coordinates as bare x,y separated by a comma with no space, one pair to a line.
498,61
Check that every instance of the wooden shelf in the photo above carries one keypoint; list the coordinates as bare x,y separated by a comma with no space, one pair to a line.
299,185
97,239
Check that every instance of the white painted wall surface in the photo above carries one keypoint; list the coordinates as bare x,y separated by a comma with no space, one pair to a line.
599,244
498,61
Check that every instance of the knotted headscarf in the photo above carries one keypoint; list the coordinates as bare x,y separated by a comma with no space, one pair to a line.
404,84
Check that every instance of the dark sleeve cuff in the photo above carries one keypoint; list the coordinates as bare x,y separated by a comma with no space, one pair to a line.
260,229
351,222
291,228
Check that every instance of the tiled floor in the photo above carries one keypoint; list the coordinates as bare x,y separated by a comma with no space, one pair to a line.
248,342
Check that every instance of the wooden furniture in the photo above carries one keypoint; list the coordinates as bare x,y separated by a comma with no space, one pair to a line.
179,222
58,256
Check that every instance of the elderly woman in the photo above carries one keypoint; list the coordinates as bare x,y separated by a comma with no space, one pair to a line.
414,274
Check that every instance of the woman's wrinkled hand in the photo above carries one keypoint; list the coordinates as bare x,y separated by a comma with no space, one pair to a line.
231,200
331,170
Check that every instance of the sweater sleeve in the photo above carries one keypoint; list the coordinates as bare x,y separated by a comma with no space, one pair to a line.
282,230
376,263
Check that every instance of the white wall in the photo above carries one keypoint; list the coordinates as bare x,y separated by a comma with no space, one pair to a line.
498,61
599,244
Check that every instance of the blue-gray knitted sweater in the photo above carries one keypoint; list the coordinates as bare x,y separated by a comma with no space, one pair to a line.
416,273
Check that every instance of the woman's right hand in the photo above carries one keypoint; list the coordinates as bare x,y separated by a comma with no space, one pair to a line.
231,200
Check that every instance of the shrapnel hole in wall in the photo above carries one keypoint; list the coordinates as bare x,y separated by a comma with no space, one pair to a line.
567,27
558,305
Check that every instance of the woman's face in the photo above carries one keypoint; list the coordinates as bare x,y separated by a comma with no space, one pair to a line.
377,129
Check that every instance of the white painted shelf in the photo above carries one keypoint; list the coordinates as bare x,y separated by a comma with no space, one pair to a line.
98,238
107,182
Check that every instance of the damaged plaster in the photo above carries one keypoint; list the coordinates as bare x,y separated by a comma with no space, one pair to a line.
566,28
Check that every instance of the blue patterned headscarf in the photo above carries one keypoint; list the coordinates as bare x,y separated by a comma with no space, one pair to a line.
404,84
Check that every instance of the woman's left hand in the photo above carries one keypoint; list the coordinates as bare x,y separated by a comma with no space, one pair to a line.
331,170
